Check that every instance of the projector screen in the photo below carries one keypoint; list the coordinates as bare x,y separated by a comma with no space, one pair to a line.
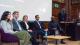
43,8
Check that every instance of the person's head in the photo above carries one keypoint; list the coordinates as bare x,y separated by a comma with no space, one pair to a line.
37,17
6,16
53,18
25,18
63,10
16,14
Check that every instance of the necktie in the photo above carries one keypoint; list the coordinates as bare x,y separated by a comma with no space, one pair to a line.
18,25
39,24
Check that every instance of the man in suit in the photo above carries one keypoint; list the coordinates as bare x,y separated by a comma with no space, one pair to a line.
16,24
54,27
38,27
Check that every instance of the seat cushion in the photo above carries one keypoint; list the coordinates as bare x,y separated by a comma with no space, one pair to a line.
9,38
6,37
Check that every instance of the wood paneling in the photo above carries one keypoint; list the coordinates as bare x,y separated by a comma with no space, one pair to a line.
75,8
55,11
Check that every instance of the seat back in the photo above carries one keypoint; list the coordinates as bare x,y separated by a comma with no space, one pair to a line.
1,31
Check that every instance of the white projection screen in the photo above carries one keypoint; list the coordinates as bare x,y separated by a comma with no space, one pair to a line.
43,8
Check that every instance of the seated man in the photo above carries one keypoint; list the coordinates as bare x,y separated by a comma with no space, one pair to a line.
54,27
38,27
16,23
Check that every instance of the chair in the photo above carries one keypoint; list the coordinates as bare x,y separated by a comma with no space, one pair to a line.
8,39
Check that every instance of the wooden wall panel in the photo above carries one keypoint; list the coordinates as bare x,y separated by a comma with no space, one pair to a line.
55,11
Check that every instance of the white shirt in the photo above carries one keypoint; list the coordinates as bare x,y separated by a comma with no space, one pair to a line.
27,26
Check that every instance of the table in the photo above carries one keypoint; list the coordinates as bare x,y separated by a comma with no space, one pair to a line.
57,37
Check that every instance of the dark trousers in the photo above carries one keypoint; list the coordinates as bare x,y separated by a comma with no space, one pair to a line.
41,32
33,39
34,42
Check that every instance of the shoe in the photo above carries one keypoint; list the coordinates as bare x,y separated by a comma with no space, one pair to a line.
62,42
36,43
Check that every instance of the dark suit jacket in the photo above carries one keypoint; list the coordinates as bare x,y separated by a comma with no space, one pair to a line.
38,30
23,25
37,27
15,26
53,25
62,16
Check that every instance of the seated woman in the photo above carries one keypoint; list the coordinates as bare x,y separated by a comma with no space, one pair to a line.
6,24
26,26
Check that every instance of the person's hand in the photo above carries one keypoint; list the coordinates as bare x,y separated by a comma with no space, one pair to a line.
54,29
46,30
16,31
29,30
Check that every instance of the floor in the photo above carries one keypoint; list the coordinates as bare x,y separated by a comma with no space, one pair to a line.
68,42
